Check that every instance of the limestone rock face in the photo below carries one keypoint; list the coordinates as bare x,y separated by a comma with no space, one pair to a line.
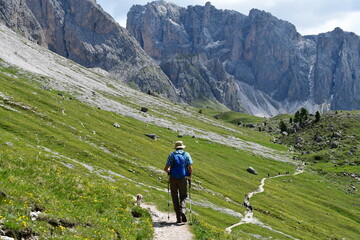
81,31
337,70
17,16
256,63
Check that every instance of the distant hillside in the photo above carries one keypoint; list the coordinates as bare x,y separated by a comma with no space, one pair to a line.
330,145
256,64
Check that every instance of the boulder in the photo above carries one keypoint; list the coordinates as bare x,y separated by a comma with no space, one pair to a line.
296,127
336,135
252,170
318,138
152,136
144,109
116,125
334,144
299,140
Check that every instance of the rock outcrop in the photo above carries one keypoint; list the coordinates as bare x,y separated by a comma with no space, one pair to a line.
81,31
256,63
17,16
336,71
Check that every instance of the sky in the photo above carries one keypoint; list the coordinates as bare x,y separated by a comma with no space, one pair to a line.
308,16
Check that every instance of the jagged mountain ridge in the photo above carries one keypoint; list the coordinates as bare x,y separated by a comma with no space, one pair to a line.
81,31
256,63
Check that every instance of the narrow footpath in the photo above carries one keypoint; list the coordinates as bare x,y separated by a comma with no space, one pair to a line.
249,215
165,229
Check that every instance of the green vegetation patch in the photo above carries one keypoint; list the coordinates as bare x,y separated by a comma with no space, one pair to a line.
79,171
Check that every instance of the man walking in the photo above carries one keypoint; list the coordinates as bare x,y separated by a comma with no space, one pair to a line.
179,168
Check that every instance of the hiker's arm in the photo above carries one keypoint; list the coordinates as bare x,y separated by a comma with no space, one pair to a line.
167,169
168,164
190,171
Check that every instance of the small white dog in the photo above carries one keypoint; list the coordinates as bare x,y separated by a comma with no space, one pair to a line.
139,198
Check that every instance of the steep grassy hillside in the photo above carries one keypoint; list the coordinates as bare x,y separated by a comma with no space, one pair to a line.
68,160
74,153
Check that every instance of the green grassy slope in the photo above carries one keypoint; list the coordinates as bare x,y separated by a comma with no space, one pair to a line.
321,203
67,160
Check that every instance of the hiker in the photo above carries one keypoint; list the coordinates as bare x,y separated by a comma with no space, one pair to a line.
247,198
179,168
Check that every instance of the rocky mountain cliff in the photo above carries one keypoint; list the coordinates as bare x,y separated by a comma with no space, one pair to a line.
81,31
256,63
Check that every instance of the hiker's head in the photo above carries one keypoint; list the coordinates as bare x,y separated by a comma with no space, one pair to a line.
179,145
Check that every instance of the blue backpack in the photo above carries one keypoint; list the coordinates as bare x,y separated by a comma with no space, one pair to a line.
178,166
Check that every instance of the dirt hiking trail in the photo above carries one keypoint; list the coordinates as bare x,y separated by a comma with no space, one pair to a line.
249,215
165,229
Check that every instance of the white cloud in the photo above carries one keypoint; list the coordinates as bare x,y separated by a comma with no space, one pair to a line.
267,3
348,21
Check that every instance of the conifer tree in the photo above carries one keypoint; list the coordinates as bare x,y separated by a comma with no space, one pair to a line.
297,117
303,115
282,126
317,116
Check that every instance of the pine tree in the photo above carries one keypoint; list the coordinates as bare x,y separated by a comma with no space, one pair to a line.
297,117
303,115
282,126
317,116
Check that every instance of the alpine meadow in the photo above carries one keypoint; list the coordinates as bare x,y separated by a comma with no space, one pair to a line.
79,141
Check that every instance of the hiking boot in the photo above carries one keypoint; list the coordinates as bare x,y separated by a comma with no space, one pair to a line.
183,217
178,218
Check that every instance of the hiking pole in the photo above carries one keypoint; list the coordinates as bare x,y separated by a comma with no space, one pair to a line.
190,200
169,199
